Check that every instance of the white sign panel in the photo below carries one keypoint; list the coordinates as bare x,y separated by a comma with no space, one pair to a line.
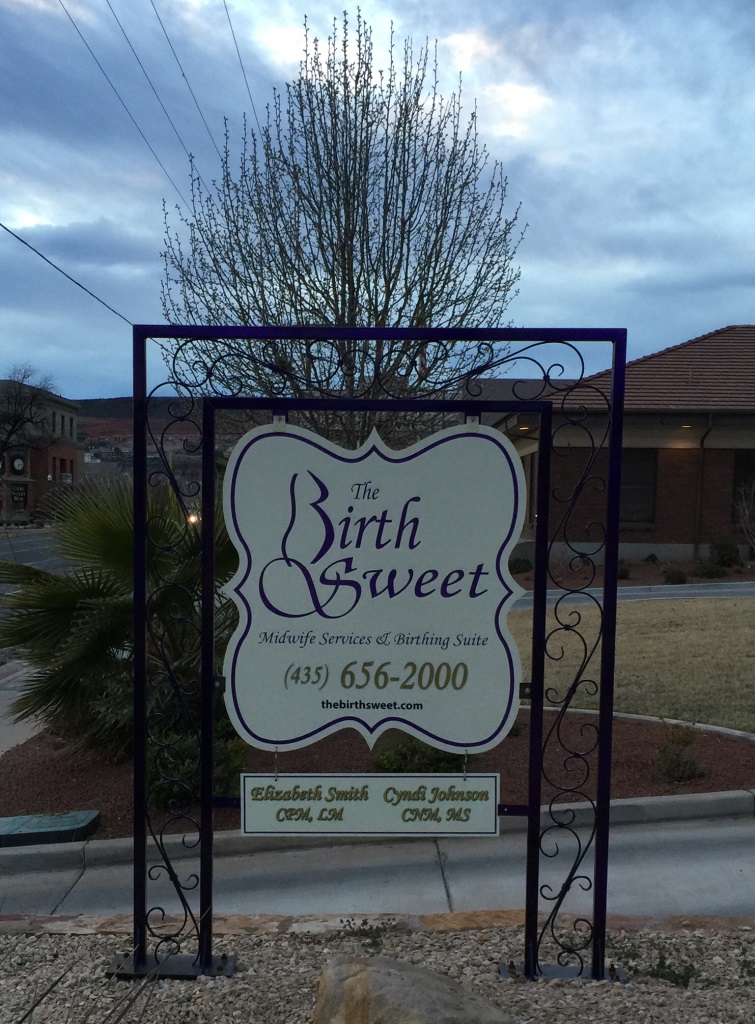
373,588
377,805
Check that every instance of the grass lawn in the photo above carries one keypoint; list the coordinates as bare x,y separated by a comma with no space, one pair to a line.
687,659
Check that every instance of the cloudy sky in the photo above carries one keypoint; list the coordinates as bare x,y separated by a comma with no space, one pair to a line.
625,127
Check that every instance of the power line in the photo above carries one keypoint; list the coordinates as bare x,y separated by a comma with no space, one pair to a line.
61,271
149,80
241,63
123,103
183,73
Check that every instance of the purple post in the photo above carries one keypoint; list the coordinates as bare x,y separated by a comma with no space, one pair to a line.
608,661
207,728
537,696
140,650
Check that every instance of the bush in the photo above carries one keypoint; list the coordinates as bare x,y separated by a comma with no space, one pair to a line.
517,565
724,553
173,767
676,761
709,571
408,754
674,575
622,572
653,559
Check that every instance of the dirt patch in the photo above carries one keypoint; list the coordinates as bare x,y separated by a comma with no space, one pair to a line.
43,776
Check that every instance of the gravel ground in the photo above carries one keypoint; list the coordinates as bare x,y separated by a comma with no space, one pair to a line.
700,976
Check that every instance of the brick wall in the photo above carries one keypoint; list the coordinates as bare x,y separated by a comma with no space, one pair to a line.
716,520
584,503
676,497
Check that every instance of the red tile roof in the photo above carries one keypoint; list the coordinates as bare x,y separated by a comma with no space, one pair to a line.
712,373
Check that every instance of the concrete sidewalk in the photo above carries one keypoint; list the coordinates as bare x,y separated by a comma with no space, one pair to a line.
669,855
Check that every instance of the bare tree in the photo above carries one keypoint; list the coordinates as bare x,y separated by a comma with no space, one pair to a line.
23,410
365,199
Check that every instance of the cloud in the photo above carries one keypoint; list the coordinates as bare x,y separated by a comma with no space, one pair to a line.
103,243
624,129
468,49
517,108
49,7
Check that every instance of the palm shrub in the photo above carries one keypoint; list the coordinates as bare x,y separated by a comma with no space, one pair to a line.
74,629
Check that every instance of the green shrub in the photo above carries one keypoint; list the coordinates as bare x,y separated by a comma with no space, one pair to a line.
679,976
673,575
622,572
709,571
408,754
517,565
676,761
370,934
173,767
653,559
725,553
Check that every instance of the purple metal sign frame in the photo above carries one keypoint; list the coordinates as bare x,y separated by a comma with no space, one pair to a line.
197,924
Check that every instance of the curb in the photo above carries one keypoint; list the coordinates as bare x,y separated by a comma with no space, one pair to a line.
632,811
235,925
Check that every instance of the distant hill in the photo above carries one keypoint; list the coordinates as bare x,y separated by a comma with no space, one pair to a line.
113,418
120,408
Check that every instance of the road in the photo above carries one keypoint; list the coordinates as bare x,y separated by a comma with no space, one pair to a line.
691,868
31,547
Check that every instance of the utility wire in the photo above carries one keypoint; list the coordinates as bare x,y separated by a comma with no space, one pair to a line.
241,64
152,87
123,103
60,271
196,102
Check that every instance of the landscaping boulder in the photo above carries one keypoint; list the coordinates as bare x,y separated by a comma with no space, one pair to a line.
380,990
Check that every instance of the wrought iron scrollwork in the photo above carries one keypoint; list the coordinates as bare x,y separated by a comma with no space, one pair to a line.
326,367
582,431
173,556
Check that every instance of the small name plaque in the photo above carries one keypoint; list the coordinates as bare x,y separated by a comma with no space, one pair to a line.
370,805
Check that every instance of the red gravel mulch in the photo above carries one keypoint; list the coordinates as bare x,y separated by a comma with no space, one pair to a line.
43,776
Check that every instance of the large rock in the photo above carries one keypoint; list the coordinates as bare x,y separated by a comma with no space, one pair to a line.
356,990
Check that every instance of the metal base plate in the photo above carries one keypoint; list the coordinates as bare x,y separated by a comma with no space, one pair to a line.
550,972
182,965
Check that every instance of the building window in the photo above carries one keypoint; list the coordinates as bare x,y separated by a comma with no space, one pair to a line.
70,426
639,477
54,422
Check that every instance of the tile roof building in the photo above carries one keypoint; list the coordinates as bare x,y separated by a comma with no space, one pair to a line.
712,373
689,447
